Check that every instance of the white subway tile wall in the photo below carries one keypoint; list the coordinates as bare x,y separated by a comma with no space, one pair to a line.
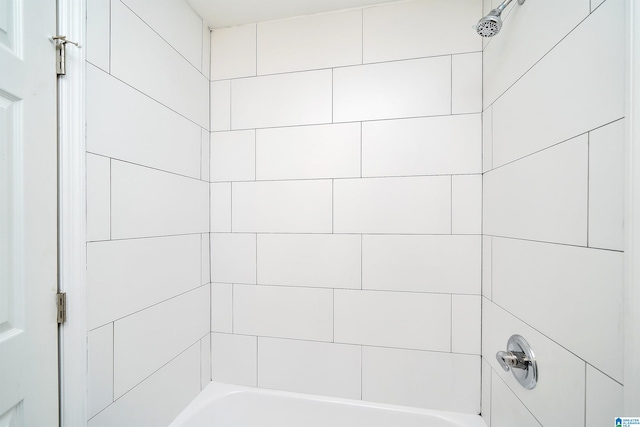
148,268
350,164
553,209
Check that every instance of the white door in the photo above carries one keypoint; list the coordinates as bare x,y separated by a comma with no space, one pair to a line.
28,214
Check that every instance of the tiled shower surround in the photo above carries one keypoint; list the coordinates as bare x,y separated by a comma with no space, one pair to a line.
334,204
346,161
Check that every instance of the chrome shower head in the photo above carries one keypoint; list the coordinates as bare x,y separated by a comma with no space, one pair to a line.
491,24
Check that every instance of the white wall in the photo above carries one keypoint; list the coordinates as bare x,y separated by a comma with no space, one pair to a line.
346,164
553,211
147,211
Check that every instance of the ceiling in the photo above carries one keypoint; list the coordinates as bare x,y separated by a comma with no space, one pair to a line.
229,13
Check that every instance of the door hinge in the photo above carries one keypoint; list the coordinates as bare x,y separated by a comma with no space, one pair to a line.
61,299
61,53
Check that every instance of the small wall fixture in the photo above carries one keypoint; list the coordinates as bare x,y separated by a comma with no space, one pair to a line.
520,360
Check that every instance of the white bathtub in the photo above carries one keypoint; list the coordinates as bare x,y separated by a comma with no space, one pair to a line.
224,405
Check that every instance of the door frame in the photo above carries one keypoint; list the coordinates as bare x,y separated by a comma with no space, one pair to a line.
72,341
631,322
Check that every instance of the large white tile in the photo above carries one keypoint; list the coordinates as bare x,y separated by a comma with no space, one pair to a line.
100,369
605,399
393,319
234,359
465,323
166,329
160,398
466,215
579,288
443,381
221,307
466,84
98,198
506,409
205,361
523,45
393,205
327,261
98,33
221,207
606,187
281,100
283,312
175,22
423,146
124,124
540,197
233,258
577,87
307,152
558,398
233,156
485,401
220,107
282,206
147,202
487,139
303,43
441,264
141,58
325,369
147,271
420,87
233,52
399,31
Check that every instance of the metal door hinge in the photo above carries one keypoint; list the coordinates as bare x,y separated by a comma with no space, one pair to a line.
61,299
61,53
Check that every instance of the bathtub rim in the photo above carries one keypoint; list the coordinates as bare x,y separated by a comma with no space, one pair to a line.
218,390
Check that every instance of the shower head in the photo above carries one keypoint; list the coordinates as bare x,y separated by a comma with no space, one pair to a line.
491,24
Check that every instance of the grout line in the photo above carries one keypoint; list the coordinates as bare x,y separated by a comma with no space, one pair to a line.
555,144
113,361
451,84
149,306
165,40
147,95
327,288
362,36
338,67
110,199
110,35
143,166
517,397
553,243
361,260
382,119
332,96
352,178
588,182
333,315
585,394
361,370
273,337
451,205
451,324
162,236
539,60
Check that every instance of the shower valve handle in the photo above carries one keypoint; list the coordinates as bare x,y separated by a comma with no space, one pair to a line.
512,359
